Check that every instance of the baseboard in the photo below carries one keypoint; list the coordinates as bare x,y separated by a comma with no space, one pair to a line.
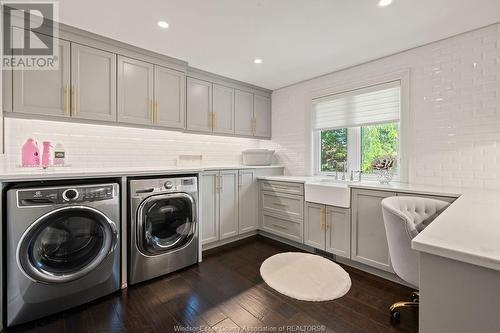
233,241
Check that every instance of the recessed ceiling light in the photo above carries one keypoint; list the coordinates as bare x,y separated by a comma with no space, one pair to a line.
257,61
163,24
384,3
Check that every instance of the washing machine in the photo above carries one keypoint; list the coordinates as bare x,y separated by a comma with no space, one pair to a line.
62,247
163,230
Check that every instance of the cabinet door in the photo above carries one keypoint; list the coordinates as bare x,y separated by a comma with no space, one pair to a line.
209,207
135,91
262,116
369,241
228,203
170,94
247,201
223,109
338,231
93,74
314,231
243,112
199,105
44,92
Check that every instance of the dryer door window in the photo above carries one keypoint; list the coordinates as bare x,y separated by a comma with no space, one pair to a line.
165,222
66,244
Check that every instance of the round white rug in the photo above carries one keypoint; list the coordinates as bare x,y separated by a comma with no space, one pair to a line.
305,276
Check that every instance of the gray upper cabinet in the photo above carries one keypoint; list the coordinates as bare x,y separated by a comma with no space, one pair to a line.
199,105
135,91
262,116
223,109
170,96
243,113
44,92
369,241
93,74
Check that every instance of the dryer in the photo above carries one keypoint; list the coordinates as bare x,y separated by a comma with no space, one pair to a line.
62,247
163,230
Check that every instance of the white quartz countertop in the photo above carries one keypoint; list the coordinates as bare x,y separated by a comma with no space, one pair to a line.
22,174
467,231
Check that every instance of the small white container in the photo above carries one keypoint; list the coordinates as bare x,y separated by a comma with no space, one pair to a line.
258,157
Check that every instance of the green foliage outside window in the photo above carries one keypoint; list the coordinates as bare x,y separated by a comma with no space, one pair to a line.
377,141
333,148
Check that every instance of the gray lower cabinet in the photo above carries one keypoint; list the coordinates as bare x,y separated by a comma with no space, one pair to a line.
93,74
369,240
243,113
314,230
247,202
282,213
262,116
219,205
209,201
44,92
228,203
199,105
170,96
135,91
338,231
328,228
223,109
447,199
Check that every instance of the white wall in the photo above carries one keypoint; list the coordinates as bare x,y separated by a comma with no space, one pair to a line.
454,106
95,146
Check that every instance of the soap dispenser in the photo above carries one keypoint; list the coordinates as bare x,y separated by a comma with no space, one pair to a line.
30,153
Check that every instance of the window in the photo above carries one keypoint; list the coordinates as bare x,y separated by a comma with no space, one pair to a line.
354,128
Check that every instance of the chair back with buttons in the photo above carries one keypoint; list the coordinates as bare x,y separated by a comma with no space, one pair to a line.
404,218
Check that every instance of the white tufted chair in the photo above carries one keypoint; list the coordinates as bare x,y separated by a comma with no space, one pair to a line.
404,218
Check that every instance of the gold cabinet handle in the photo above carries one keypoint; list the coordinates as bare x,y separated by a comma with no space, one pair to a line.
213,120
280,226
67,98
327,225
152,110
254,125
74,99
156,111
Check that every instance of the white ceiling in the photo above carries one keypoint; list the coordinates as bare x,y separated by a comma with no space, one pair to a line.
297,39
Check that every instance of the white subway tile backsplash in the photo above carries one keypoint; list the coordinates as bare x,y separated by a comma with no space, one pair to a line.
92,146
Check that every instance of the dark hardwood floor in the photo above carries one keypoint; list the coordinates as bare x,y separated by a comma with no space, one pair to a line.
226,291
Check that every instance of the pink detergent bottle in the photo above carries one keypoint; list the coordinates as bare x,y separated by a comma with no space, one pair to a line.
30,153
48,154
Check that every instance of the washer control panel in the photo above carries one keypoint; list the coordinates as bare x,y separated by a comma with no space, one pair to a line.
144,187
58,195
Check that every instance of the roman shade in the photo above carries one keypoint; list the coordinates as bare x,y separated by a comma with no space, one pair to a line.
367,106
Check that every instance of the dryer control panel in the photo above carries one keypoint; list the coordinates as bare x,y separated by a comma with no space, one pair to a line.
62,195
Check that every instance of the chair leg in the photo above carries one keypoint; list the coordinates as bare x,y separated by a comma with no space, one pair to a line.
396,308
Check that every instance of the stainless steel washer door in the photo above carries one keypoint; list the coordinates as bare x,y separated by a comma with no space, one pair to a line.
165,222
66,244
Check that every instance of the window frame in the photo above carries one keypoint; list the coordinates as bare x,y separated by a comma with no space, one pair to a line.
314,137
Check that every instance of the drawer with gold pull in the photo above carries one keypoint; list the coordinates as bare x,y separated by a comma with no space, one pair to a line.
282,227
285,205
